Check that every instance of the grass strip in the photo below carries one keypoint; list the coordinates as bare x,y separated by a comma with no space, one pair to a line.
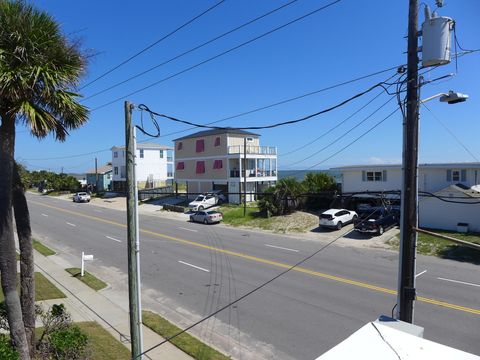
102,344
44,289
42,249
185,342
88,279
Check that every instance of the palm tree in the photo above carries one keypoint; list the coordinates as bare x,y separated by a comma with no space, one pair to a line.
39,71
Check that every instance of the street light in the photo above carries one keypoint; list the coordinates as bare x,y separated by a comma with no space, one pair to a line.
451,97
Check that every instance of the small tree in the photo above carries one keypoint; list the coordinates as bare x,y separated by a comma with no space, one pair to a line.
283,198
321,188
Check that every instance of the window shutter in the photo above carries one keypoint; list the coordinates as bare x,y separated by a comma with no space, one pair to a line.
463,175
384,175
200,167
364,176
180,165
449,175
200,145
217,141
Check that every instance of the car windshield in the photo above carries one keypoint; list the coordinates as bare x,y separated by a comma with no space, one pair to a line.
81,194
212,212
199,198
326,216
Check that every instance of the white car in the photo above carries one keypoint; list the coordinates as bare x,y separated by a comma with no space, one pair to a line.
336,218
202,202
81,197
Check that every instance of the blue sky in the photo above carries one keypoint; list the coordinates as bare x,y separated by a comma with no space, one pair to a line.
345,41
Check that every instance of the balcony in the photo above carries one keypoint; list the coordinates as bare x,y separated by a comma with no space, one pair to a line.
255,150
252,173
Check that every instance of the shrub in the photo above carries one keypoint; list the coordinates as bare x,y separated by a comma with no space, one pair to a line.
68,344
7,352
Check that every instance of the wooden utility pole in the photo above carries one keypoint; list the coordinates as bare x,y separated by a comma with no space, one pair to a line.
96,176
133,247
244,176
409,214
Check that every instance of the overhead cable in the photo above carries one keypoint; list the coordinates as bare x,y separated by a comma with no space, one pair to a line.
153,44
190,51
217,56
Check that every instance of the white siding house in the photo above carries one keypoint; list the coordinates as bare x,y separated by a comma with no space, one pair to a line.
449,183
154,165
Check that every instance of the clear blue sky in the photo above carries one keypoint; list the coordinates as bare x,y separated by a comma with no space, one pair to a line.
345,41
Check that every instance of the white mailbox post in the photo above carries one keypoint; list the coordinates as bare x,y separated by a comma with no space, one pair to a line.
85,258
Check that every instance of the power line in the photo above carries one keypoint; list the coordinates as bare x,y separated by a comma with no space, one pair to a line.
341,136
289,122
451,133
153,44
190,51
217,56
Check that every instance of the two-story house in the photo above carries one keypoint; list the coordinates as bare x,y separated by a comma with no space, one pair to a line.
449,192
218,159
154,166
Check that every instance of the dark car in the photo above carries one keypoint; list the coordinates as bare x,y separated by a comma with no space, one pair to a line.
377,221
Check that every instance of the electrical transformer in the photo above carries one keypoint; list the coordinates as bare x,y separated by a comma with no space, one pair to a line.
436,41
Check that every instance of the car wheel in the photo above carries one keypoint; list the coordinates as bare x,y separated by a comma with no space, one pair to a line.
355,218
205,221
339,225
381,230
200,208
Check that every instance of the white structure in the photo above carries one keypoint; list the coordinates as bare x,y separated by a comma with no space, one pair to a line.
154,166
451,182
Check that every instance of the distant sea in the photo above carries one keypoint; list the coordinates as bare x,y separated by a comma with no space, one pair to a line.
300,174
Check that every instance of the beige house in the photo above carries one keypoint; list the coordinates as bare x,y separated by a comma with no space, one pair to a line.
216,160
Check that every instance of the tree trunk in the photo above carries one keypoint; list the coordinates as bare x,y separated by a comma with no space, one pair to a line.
27,266
8,261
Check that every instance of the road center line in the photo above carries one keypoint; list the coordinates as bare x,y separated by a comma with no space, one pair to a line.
423,272
111,238
458,282
71,224
44,215
253,258
282,248
193,266
188,229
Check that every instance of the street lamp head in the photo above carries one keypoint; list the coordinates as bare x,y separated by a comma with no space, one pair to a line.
454,97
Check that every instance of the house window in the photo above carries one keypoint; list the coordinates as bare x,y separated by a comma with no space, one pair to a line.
141,153
115,154
217,141
161,154
457,175
218,164
115,170
374,175
249,139
181,165
180,145
200,167
200,146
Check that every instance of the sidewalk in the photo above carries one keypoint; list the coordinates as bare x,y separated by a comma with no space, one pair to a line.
86,304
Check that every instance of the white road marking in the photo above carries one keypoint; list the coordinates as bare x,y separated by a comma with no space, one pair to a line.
459,282
71,224
282,248
194,266
423,272
45,215
111,238
188,229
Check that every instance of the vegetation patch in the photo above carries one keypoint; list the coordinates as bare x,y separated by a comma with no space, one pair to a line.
185,342
431,245
42,249
296,222
88,279
103,345
44,289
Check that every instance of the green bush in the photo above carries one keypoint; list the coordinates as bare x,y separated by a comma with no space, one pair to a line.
68,344
7,352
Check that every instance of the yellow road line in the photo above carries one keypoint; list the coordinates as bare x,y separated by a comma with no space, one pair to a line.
272,262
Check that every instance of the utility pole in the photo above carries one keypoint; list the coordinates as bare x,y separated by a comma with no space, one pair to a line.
409,215
133,244
96,176
244,176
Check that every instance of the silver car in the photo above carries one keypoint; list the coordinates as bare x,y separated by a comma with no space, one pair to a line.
81,197
207,217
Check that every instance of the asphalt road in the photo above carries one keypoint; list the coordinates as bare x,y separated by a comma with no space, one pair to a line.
192,269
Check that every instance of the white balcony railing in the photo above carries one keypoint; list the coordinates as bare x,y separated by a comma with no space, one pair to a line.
257,150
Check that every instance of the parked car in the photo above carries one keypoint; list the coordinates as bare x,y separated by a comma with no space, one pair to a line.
81,197
336,218
377,221
207,217
205,201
